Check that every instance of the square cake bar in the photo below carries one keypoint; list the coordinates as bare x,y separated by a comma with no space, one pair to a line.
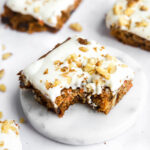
129,22
35,16
77,71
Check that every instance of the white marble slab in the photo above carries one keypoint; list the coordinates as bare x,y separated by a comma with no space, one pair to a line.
81,125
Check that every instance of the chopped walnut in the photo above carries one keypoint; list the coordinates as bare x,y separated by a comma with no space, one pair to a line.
83,41
2,88
1,115
95,49
48,85
103,72
124,22
117,9
58,62
131,3
56,82
76,27
64,69
71,58
6,56
143,8
99,63
102,48
111,68
89,68
22,120
46,71
64,74
142,23
1,143
83,49
2,73
129,11
109,57
79,64
36,9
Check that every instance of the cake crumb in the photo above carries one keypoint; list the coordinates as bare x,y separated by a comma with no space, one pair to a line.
6,56
83,49
2,88
1,143
22,120
2,73
1,115
143,8
76,27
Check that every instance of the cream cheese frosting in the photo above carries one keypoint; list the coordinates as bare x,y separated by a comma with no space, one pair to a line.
132,16
77,64
46,10
9,136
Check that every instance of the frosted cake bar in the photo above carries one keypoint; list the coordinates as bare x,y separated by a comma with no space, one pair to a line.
129,22
77,70
38,15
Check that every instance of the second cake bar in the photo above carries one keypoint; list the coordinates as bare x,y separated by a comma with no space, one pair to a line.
35,16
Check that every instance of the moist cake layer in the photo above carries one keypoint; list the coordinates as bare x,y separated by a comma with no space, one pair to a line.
9,136
132,16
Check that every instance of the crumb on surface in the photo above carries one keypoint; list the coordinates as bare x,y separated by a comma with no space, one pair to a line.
6,56
1,143
1,115
76,27
2,71
2,88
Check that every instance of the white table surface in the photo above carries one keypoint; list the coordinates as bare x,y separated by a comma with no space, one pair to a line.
27,48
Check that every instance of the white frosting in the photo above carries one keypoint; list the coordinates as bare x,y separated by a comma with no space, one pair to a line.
138,15
35,72
46,10
9,140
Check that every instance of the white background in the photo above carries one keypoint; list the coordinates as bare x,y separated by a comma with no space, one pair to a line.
27,48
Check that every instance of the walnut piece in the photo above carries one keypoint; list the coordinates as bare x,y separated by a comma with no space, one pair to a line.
2,73
117,9
83,49
103,72
6,56
76,27
142,23
2,88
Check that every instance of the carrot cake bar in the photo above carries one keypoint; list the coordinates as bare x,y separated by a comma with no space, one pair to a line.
9,136
129,22
38,15
77,70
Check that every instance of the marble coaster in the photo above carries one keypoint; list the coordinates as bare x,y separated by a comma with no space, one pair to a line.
81,125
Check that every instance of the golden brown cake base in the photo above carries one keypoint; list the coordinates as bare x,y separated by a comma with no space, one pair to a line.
103,102
26,23
130,38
